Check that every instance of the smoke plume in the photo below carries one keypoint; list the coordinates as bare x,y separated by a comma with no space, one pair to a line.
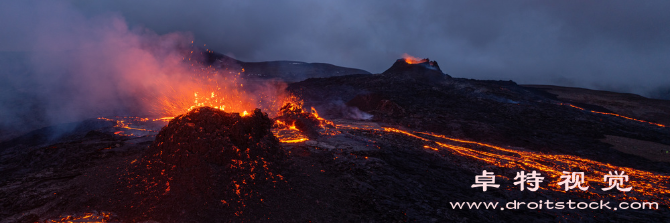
73,67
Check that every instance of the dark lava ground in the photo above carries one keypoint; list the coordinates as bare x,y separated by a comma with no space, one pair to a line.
199,168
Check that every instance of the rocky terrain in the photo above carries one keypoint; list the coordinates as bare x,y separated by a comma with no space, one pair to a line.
288,71
403,145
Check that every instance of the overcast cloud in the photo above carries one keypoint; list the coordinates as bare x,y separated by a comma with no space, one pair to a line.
613,45
618,45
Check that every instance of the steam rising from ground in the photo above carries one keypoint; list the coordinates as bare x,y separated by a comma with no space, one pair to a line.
79,67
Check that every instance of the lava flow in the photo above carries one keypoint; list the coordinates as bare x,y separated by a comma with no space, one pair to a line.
86,217
615,115
136,126
293,125
287,133
647,186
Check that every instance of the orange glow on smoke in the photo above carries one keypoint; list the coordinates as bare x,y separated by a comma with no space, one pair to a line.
221,89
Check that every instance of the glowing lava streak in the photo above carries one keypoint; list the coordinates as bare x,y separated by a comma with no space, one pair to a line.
141,126
87,217
647,186
616,115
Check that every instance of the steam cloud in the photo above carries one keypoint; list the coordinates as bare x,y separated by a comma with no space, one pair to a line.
75,67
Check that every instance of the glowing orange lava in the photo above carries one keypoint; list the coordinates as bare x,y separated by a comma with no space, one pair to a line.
140,125
87,217
288,133
181,89
616,115
647,186
214,90
413,60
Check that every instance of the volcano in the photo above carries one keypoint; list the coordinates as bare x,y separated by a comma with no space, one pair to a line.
424,70
402,145
205,162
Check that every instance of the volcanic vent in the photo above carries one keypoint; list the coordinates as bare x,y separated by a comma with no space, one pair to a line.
208,162
418,69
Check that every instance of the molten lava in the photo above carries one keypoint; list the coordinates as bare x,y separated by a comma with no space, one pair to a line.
288,133
413,60
616,115
181,89
216,90
86,217
294,125
647,186
136,126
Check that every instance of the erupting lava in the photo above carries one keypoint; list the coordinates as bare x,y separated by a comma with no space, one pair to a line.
413,60
181,89
216,90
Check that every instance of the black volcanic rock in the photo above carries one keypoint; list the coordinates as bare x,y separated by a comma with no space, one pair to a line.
424,70
207,163
305,122
497,112
289,71
376,104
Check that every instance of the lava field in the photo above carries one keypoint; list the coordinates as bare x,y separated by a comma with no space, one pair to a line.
399,146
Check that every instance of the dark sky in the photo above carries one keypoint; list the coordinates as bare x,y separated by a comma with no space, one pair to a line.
618,45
